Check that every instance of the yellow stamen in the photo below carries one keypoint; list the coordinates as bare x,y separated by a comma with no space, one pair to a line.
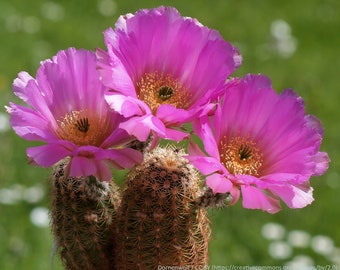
156,89
240,155
83,128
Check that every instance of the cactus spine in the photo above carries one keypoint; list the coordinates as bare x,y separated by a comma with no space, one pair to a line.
83,213
159,222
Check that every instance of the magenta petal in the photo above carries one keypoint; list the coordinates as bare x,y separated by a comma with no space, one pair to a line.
29,124
282,179
72,76
218,183
194,150
103,173
171,115
254,198
237,57
38,98
250,180
176,135
114,76
82,166
314,123
20,84
28,89
203,130
205,165
117,138
48,155
91,160
235,194
125,105
294,196
134,126
140,127
321,160
122,158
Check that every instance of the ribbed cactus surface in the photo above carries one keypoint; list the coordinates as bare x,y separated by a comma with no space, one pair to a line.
159,222
83,217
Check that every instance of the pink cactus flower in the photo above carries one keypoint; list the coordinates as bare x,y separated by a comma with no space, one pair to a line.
261,145
163,70
67,110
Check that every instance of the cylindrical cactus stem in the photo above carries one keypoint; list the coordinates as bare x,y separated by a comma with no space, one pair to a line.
83,214
159,222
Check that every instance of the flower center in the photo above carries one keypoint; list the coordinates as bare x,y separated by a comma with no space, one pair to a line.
156,89
241,156
82,128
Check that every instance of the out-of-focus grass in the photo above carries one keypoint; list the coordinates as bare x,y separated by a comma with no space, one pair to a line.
32,31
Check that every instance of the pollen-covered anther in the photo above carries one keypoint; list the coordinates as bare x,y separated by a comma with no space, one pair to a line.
156,89
240,155
82,128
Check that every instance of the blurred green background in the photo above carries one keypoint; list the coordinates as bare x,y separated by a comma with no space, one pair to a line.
295,43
